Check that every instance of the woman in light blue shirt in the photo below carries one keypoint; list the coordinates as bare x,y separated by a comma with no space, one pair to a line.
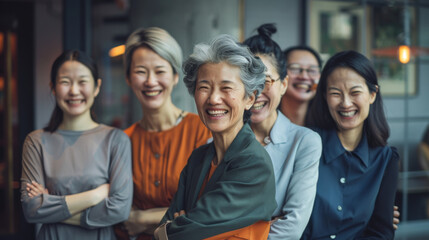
294,150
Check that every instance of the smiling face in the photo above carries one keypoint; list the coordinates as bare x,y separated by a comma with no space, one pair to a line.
300,87
220,98
266,104
348,99
151,78
75,89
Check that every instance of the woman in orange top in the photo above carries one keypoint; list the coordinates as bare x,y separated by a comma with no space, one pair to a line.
165,137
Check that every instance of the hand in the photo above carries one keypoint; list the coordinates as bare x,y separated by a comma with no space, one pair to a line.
135,223
396,215
178,214
102,191
273,220
34,189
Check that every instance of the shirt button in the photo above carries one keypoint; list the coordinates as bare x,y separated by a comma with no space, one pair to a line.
333,236
339,208
157,182
157,155
342,180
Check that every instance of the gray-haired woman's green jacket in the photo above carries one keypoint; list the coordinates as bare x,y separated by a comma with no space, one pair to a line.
240,192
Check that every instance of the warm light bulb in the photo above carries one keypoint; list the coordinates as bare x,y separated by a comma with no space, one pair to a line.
117,51
404,54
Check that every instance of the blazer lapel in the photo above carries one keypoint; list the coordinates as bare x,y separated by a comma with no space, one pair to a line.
197,180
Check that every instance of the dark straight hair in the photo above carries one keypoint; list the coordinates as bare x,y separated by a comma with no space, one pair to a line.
264,45
70,55
288,51
375,126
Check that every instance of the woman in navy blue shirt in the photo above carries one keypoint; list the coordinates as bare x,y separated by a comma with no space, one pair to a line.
357,171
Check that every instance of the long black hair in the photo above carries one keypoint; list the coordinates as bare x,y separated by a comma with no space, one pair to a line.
70,55
375,126
264,45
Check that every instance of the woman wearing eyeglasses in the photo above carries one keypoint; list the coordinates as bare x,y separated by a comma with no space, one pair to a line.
303,68
294,150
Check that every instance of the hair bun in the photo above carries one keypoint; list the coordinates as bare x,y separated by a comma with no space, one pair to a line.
267,29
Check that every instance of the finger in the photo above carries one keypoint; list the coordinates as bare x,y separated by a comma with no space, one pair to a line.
176,214
396,213
41,189
395,208
31,187
395,226
36,184
395,221
182,212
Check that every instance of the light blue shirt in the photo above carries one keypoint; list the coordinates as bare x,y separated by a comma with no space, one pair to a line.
295,152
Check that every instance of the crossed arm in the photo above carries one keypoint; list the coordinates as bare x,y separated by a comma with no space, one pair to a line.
76,203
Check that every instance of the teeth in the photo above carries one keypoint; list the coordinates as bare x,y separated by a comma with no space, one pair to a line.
348,114
151,93
302,86
259,105
75,101
217,112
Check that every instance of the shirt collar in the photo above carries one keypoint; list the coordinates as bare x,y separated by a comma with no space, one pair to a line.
362,150
281,126
334,148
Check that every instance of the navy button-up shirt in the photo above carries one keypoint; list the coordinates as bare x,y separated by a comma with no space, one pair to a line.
355,191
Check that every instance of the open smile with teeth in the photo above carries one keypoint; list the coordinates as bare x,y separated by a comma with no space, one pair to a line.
151,93
347,114
259,105
217,113
303,86
74,101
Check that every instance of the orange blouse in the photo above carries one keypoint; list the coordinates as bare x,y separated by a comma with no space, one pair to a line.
256,231
158,160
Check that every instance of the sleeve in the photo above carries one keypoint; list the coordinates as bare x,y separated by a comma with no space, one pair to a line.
45,208
177,203
301,190
380,225
116,208
243,195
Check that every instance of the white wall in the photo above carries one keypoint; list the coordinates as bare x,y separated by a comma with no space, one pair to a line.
285,14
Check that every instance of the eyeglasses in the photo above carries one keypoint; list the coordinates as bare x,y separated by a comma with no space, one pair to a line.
269,81
295,70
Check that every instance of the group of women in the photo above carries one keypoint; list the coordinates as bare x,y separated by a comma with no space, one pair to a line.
245,167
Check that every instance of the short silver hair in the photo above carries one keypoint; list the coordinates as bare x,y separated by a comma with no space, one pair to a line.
159,41
224,48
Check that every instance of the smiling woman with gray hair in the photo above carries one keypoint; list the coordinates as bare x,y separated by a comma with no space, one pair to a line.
227,188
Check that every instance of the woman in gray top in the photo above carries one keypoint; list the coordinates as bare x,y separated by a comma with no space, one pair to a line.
76,173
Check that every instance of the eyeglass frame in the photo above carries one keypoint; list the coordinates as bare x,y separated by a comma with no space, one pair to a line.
271,80
301,69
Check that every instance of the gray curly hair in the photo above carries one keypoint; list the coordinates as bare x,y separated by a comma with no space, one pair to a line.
224,48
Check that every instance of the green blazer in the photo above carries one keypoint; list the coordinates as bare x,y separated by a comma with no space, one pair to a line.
240,192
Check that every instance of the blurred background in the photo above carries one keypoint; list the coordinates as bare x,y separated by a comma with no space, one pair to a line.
34,32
